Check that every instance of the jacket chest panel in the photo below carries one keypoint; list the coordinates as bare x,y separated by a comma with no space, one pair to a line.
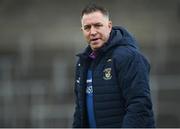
104,72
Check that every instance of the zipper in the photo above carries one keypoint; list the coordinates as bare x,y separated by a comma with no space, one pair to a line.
83,82
94,97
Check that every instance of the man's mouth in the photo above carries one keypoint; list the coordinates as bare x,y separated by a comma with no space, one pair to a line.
95,39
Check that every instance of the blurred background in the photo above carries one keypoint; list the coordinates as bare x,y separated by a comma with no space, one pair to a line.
38,43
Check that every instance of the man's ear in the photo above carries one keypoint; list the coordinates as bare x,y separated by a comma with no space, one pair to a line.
110,24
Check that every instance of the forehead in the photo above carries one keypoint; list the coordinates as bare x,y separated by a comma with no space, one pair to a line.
92,18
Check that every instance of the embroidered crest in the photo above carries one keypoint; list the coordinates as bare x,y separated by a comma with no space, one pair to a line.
107,75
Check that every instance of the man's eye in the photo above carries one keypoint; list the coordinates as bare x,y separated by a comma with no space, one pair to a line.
87,27
98,25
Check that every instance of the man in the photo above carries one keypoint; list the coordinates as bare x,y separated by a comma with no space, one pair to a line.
111,85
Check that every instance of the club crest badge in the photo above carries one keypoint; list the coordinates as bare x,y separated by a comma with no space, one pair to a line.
107,75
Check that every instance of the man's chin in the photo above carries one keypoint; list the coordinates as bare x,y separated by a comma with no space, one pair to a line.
94,43
95,47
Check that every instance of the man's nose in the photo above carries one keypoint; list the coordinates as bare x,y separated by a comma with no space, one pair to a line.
93,31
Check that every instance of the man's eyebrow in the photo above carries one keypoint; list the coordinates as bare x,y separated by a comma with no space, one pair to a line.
93,24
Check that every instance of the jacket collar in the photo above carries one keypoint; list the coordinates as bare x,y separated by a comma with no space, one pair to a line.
118,37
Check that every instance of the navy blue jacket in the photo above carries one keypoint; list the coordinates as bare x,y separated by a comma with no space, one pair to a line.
121,90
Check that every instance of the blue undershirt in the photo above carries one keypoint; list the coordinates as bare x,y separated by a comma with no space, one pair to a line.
89,100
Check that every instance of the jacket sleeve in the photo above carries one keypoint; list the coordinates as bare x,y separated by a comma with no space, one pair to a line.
134,78
76,118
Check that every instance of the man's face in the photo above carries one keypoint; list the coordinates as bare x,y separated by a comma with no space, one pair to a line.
96,29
